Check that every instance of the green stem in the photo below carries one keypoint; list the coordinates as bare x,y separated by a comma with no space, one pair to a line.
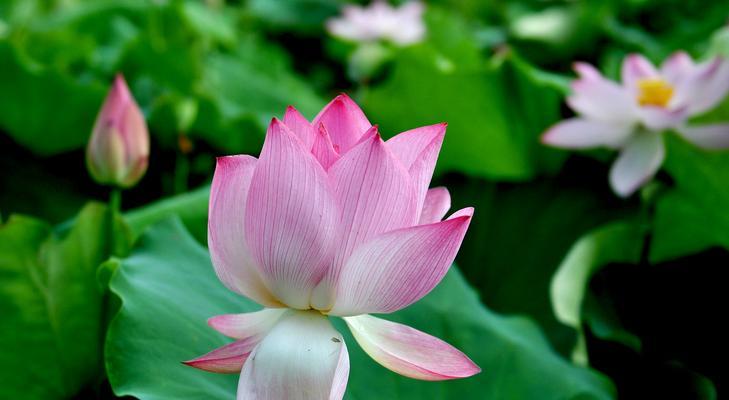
115,201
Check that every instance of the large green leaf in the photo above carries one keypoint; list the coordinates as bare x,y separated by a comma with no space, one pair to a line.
168,289
244,89
617,242
51,305
495,113
692,216
521,233
30,116
191,207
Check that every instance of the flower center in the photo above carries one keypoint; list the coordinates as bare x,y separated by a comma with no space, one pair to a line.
654,92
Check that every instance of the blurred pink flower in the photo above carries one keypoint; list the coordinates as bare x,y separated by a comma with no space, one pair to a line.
631,117
402,25
118,150
330,221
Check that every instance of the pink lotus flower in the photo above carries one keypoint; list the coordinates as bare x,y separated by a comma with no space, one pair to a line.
631,117
118,150
330,221
380,21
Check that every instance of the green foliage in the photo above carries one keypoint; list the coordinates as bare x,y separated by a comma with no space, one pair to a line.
691,216
168,289
52,305
495,113
191,208
34,121
174,54
616,242
520,234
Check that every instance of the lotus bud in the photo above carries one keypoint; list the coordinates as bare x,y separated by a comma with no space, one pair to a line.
118,151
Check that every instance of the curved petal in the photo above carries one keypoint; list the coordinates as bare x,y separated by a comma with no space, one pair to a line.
300,126
715,136
677,67
290,217
408,351
637,163
298,360
580,133
375,195
408,146
659,118
399,267
323,149
706,88
595,97
226,234
436,205
636,67
228,359
344,121
417,149
242,326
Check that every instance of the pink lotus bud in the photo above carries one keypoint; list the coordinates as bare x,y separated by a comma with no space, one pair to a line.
118,150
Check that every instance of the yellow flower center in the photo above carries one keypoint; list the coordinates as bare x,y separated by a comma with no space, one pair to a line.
654,92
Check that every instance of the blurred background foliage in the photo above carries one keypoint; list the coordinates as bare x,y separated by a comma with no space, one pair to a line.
631,288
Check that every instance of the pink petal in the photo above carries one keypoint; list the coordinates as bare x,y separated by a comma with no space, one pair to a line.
344,121
301,358
586,71
226,236
408,351
417,149
714,136
706,88
436,205
580,133
290,217
369,133
408,146
242,326
600,99
300,126
659,118
399,267
677,67
374,194
323,149
636,67
228,359
637,163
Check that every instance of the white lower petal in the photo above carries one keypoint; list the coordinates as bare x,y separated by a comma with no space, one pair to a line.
581,133
302,358
714,136
637,163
